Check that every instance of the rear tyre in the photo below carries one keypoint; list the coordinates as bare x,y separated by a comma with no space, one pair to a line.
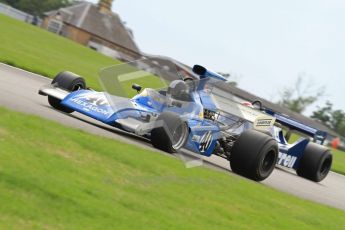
315,163
171,133
70,82
254,155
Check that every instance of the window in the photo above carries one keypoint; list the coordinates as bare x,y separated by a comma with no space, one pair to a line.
94,45
54,26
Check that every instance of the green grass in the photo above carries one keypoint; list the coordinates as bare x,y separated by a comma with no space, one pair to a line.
39,51
54,177
338,161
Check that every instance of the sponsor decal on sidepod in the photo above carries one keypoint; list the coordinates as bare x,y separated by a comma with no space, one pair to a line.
286,160
90,106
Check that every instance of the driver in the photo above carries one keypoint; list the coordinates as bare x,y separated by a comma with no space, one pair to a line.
179,90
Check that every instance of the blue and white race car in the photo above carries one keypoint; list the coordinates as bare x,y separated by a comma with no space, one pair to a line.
188,115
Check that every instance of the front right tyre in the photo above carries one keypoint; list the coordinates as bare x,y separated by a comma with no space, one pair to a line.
254,155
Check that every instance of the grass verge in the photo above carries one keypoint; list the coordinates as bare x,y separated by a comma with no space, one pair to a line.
36,50
39,51
54,177
338,161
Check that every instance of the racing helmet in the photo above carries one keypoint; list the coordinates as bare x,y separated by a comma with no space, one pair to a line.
178,90
255,104
247,103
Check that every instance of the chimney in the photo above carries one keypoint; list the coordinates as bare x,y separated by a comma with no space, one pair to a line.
104,6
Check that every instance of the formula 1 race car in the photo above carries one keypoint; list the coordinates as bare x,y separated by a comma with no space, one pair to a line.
189,114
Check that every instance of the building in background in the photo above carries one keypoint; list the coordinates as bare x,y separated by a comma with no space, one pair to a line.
95,26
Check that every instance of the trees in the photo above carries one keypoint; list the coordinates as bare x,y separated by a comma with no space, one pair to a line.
298,97
10,2
38,7
323,114
334,119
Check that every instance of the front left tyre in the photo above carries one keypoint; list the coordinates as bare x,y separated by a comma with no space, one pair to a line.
67,81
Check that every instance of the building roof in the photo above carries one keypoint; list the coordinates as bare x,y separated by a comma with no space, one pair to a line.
86,16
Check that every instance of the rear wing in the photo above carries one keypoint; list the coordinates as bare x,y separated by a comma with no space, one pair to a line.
318,136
